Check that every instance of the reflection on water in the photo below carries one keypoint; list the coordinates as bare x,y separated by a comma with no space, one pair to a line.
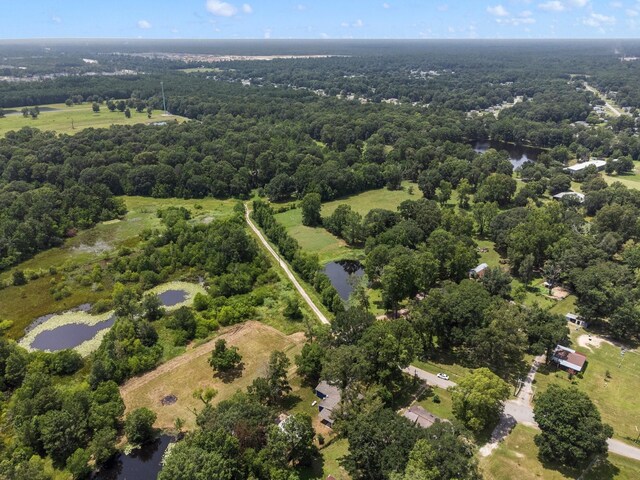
143,463
172,297
69,336
344,276
518,155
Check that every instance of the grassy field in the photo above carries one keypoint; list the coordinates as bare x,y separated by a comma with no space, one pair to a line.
24,303
188,372
329,247
62,119
617,396
516,457
440,409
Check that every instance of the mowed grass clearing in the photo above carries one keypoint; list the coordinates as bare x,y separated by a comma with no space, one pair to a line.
617,396
62,119
182,375
329,247
25,303
517,457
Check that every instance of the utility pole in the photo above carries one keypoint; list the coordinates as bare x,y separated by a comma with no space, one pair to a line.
164,102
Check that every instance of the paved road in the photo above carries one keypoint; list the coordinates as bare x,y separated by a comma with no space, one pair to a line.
518,410
621,448
614,110
430,378
286,268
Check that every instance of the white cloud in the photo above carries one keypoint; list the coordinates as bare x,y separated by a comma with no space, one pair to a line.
344,24
631,12
267,33
246,8
526,13
616,4
358,23
144,24
578,3
598,20
324,35
300,7
386,5
552,6
221,9
498,11
443,8
56,19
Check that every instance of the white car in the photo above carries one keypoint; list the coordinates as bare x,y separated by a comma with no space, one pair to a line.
443,376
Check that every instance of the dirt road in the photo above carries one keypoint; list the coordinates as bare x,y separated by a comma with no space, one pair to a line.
286,268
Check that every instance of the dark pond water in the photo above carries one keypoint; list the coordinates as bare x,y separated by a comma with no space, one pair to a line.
518,155
141,464
69,336
344,276
84,307
172,297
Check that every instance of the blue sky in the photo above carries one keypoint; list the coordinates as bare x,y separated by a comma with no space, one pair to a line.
320,18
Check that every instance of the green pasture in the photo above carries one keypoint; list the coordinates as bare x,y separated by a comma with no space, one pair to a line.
62,119
517,457
615,394
328,246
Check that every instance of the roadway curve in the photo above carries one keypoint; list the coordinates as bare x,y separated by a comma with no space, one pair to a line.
285,267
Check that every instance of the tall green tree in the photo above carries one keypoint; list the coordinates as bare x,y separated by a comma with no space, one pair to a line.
477,400
572,432
311,205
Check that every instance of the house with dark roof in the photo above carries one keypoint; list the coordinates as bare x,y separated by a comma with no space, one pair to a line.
568,359
330,398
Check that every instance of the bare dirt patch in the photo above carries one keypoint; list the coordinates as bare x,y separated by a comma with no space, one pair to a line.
182,375
97,248
591,341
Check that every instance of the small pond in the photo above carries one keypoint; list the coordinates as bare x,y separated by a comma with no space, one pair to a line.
518,155
169,298
69,336
344,276
142,463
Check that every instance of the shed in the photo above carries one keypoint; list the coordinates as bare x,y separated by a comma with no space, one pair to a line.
479,271
573,318
421,417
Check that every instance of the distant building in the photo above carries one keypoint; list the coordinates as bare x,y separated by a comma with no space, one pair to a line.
479,271
571,193
578,167
568,359
330,398
419,416
573,318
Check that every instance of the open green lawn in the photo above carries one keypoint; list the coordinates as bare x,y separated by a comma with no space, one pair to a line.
329,247
62,119
616,397
516,457
440,409
25,303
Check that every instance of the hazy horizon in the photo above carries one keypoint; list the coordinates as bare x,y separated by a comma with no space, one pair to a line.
331,19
